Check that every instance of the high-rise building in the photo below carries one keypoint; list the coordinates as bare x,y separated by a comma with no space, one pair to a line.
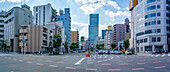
37,37
127,26
64,16
119,33
120,30
103,33
93,27
44,14
12,20
2,14
150,25
75,37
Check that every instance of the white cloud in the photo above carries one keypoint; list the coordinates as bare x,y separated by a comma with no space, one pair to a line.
114,4
113,19
90,6
118,13
87,8
13,0
2,1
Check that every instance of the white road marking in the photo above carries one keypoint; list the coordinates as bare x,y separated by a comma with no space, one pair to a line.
77,63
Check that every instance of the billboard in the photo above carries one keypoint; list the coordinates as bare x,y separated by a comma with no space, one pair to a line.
132,4
109,28
135,2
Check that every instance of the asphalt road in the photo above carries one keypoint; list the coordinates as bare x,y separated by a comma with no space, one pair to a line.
77,62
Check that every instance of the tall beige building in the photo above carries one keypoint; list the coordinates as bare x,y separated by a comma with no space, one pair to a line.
75,37
37,38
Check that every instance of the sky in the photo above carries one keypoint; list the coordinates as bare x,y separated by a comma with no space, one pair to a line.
110,11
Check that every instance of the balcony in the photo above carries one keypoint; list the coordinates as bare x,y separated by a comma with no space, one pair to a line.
1,33
23,37
45,38
21,44
45,45
1,28
23,31
1,38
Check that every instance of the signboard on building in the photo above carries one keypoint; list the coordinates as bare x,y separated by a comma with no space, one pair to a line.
132,4
109,28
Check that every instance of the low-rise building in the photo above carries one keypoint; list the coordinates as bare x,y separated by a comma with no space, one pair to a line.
58,28
34,38
98,40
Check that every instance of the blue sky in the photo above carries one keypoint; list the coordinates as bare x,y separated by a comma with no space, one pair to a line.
111,11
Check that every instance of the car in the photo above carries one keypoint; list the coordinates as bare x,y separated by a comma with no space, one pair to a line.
118,52
79,51
128,53
100,52
112,51
83,51
106,52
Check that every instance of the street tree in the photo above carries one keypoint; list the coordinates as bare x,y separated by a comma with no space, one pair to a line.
126,44
113,45
57,41
3,46
66,46
74,46
100,46
120,46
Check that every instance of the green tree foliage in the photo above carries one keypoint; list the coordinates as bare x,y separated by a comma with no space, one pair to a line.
57,43
74,46
120,46
126,44
113,45
100,46
3,46
66,46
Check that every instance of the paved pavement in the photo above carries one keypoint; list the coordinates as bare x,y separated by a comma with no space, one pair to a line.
77,62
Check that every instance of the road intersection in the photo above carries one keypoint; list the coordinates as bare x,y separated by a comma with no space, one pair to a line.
77,62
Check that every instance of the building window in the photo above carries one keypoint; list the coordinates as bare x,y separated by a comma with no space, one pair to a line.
154,39
141,41
159,39
154,31
36,9
153,22
149,1
158,6
12,12
159,22
158,30
158,14
145,40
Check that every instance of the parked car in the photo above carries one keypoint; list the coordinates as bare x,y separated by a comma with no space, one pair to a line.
118,52
83,51
100,52
112,51
128,53
106,52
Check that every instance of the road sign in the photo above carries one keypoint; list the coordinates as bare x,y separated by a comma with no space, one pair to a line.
23,40
55,39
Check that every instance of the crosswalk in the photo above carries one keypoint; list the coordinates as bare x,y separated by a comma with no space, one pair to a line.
5,54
